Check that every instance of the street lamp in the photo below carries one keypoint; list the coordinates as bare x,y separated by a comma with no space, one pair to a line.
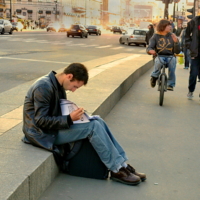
56,3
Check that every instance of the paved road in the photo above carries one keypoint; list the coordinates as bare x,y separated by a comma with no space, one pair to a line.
163,142
26,56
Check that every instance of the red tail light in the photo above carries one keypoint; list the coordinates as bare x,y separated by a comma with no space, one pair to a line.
95,29
131,36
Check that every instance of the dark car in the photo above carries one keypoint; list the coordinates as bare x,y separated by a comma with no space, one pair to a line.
117,29
17,26
93,30
77,30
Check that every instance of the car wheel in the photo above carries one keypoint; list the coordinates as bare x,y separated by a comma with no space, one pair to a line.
120,41
2,32
67,35
72,35
10,31
145,45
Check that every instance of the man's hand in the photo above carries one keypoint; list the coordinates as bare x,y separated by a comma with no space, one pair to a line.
175,39
152,52
76,114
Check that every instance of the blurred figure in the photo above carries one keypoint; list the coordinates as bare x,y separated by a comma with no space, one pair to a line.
184,49
149,34
179,30
173,26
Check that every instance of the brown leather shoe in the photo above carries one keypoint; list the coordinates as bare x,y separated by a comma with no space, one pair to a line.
124,176
133,171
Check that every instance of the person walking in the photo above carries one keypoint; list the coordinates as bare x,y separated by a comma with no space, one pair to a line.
192,42
149,33
185,50
45,126
163,42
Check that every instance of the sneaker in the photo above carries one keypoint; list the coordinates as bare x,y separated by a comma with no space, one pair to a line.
185,67
190,95
153,81
170,88
126,177
133,171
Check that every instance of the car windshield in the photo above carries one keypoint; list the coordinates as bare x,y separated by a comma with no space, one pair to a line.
92,27
75,26
1,21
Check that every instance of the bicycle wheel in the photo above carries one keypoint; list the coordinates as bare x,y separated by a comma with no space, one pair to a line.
162,89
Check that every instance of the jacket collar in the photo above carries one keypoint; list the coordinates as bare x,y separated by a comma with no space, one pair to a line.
53,79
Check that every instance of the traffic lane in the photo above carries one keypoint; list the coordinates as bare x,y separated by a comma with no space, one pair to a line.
16,72
162,141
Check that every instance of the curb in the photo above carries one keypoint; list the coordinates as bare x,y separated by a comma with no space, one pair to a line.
39,168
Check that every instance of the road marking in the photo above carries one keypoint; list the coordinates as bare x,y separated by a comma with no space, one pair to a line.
93,45
118,48
78,44
103,46
47,61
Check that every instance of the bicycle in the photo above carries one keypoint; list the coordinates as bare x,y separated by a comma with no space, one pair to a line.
162,79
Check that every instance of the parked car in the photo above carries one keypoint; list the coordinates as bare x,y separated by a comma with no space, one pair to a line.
77,30
134,36
117,29
93,30
17,26
5,26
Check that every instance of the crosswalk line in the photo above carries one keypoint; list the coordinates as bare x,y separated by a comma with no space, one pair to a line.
101,47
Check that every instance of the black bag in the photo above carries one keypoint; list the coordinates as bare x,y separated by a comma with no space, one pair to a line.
84,161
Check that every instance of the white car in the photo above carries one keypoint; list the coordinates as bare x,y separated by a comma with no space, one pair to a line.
5,26
134,36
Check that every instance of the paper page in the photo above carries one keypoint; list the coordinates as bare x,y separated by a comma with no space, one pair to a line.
67,107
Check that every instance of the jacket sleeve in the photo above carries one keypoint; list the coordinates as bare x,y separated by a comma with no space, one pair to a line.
188,32
177,48
42,97
152,44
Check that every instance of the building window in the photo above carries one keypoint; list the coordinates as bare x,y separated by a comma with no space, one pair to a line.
8,15
29,15
18,11
48,12
40,11
24,13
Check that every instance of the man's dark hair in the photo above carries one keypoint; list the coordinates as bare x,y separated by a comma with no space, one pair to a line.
79,71
162,25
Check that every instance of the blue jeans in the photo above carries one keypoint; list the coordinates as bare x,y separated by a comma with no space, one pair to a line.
171,66
194,72
187,57
102,140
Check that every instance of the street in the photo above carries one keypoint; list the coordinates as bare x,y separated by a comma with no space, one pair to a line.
28,55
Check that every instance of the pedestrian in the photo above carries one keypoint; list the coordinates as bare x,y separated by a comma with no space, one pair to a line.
184,49
163,42
192,42
179,30
149,33
45,127
173,30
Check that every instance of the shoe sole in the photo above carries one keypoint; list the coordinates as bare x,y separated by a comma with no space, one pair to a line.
124,182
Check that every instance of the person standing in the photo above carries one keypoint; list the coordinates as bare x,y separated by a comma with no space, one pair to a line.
149,34
192,42
184,49
44,125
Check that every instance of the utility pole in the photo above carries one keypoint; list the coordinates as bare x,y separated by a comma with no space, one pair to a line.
10,10
56,10
166,13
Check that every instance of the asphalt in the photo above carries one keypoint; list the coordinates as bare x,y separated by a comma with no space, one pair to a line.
162,142
26,171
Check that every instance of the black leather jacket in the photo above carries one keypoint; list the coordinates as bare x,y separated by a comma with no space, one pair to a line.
191,36
42,117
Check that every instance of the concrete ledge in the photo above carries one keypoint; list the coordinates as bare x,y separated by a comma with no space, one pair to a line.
27,171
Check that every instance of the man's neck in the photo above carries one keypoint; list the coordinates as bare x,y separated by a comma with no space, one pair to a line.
59,78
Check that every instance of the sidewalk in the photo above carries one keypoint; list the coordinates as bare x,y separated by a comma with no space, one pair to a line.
162,142
27,171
